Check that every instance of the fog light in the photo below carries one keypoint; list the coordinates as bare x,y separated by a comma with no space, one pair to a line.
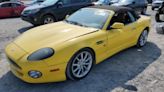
35,74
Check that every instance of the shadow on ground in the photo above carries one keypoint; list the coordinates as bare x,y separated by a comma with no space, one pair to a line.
104,77
22,30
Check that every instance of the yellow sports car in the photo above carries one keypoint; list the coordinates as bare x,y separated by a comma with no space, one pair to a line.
68,49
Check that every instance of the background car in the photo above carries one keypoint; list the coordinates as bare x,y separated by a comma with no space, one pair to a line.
160,18
52,10
138,5
68,49
160,14
11,9
157,4
106,2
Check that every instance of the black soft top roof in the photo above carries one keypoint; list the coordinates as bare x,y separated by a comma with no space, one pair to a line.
117,9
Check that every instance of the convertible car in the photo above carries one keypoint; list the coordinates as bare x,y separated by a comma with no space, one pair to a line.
68,49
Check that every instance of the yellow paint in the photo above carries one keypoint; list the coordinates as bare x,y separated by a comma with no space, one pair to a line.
66,39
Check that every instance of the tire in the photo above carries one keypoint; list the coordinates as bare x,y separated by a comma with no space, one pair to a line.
157,17
48,19
142,39
79,68
160,29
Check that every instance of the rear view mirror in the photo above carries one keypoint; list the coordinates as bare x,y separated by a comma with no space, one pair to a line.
117,25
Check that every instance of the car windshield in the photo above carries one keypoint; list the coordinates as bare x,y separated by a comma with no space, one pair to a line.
126,1
108,1
49,2
89,17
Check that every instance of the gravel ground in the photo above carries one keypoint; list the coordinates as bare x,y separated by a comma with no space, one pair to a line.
131,70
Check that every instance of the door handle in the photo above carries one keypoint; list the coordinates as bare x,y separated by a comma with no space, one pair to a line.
134,28
100,42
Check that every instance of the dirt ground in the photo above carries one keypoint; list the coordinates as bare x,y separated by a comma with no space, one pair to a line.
134,69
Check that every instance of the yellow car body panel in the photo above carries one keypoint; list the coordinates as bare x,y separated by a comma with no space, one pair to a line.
66,39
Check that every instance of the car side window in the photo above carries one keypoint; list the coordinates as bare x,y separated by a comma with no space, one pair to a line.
6,5
131,17
122,18
65,2
15,5
79,1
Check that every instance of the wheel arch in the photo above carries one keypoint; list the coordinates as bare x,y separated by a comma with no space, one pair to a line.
50,15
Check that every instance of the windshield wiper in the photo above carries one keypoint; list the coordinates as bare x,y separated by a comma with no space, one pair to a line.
75,23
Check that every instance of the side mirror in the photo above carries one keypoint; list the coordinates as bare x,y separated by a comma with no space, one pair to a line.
66,16
117,25
59,4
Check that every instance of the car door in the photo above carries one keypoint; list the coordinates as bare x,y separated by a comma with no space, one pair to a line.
119,39
78,4
64,9
17,9
5,10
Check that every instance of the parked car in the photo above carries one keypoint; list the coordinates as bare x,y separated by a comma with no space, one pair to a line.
106,2
157,4
68,49
138,5
52,10
160,14
11,9
160,18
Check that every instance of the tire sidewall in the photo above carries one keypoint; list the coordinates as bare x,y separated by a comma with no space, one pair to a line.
47,16
138,43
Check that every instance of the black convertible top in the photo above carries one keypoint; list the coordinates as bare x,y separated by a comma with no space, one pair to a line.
117,9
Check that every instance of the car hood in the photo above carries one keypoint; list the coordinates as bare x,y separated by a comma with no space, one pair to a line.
119,4
35,6
50,35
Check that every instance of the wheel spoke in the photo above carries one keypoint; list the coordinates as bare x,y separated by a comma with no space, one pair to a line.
76,69
75,64
78,73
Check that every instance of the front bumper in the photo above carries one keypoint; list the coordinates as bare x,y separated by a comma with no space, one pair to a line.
32,18
20,67
49,74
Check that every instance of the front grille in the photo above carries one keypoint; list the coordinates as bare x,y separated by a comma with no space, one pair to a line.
13,63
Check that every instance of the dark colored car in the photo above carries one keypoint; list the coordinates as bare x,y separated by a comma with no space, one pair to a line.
106,2
138,5
11,9
157,4
160,14
52,10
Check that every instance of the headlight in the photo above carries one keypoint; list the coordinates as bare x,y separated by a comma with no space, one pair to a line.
31,11
41,54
